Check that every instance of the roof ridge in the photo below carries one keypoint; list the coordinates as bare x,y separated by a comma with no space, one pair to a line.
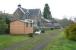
27,10
22,10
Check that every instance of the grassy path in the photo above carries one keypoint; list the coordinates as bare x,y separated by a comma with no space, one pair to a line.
38,42
61,43
47,39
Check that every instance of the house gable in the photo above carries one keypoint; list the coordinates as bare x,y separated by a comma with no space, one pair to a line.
18,13
22,13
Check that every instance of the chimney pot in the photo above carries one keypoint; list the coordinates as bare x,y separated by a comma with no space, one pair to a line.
19,5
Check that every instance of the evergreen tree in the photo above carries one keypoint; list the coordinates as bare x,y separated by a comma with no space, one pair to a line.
8,23
3,25
47,13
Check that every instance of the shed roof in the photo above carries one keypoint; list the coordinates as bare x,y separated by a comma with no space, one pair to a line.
25,21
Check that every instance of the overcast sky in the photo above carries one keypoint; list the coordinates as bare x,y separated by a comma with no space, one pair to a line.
59,8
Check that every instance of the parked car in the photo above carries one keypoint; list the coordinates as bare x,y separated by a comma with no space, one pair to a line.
38,32
42,30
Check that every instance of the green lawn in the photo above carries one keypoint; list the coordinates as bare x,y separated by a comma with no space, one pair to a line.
7,40
61,43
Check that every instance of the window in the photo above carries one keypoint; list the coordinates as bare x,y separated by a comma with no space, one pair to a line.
26,24
31,24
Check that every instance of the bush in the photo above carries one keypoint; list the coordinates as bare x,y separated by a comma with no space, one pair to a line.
30,35
70,32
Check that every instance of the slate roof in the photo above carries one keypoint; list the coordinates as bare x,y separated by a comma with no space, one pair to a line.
22,13
49,23
31,13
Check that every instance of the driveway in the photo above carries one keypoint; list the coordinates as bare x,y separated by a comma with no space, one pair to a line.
46,41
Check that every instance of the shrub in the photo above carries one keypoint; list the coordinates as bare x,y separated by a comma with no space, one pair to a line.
70,32
30,35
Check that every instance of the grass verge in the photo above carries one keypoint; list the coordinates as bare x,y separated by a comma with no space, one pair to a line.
35,40
61,43
7,40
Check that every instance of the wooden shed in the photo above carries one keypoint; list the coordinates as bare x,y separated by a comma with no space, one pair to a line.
21,26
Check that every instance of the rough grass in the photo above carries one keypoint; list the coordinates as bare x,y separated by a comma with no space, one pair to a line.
36,40
61,43
7,40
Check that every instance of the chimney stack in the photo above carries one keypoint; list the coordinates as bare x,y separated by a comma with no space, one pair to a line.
19,6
